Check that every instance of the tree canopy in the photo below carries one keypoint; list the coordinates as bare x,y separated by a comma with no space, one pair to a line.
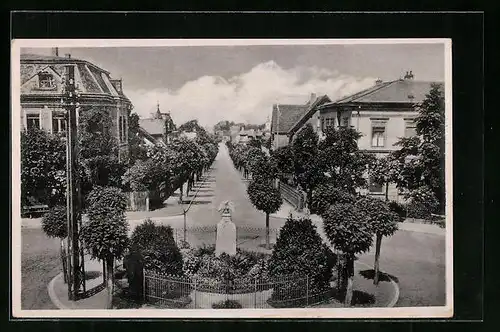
43,168
421,159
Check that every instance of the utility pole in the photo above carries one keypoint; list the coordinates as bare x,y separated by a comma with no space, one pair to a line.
70,101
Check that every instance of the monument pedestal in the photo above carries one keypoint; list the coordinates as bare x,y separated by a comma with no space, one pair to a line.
226,236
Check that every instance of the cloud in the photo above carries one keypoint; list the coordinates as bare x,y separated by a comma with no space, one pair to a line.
247,97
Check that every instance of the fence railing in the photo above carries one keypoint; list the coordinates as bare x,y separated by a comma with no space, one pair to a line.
202,293
293,196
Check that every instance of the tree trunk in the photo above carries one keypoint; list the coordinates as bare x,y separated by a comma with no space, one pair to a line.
350,275
63,258
104,272
181,190
109,281
387,191
268,245
377,257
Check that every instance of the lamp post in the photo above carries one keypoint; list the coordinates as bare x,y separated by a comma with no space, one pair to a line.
278,113
70,103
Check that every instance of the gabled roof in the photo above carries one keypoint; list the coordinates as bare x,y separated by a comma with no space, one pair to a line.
289,115
398,91
153,127
89,77
312,108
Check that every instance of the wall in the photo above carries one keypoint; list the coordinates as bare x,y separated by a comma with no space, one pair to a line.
394,128
282,140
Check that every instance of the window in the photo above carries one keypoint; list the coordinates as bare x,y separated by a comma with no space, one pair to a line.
375,187
32,121
322,124
122,129
329,122
46,81
378,136
58,123
345,122
410,128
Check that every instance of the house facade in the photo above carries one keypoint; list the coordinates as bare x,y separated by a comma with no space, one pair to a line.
158,129
42,83
383,114
288,119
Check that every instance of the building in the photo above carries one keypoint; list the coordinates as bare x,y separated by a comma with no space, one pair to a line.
42,83
288,119
158,129
382,114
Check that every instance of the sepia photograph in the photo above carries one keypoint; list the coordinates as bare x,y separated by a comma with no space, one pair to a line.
296,178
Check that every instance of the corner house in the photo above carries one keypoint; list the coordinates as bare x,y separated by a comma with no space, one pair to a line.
42,90
382,114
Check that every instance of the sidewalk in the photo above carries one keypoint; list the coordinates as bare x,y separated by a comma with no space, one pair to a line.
171,209
58,290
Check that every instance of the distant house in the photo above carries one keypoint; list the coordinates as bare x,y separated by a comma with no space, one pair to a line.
382,114
42,88
159,129
288,119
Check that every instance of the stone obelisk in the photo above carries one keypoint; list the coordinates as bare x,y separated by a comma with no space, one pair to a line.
226,231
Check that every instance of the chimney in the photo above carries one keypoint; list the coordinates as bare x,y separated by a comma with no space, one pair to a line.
409,75
313,97
55,51
68,56
379,81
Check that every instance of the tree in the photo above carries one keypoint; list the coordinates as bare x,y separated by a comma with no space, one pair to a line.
98,150
253,156
266,198
157,245
308,172
192,125
349,231
105,231
299,252
327,194
421,159
137,149
54,224
283,157
43,168
341,159
383,222
383,171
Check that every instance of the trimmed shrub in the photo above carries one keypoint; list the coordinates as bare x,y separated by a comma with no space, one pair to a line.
157,245
422,203
300,251
134,264
54,222
399,209
327,194
227,304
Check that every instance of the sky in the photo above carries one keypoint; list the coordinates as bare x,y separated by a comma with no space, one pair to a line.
240,83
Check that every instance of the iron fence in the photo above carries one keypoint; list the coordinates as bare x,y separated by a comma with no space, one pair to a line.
203,293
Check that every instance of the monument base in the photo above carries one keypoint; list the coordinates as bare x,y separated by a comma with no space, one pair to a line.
226,237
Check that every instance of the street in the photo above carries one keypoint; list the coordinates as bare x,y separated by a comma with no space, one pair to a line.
417,260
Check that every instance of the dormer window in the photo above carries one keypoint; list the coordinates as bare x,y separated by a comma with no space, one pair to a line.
46,81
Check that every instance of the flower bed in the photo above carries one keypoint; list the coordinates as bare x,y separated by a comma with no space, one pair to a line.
226,274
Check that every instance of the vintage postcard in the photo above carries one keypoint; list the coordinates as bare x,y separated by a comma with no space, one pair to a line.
276,178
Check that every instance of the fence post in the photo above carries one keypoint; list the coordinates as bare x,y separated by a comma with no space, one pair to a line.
255,294
307,290
195,292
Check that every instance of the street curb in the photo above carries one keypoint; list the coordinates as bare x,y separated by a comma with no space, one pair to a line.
52,293
395,298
